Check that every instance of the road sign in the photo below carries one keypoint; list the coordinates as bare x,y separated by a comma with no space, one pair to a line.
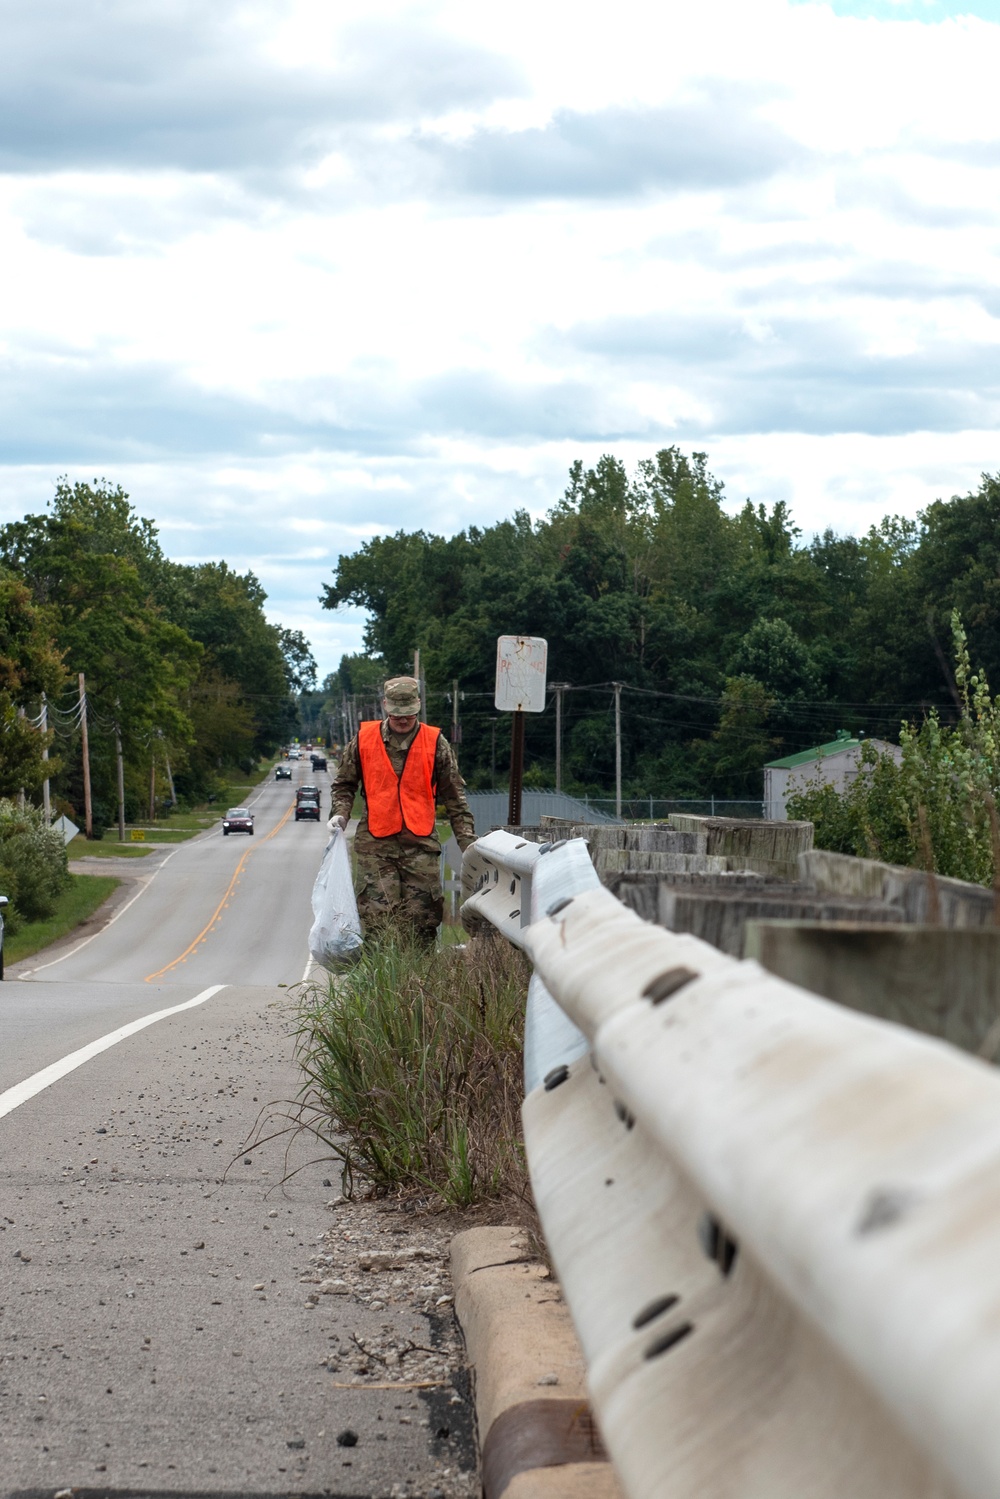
138,835
521,663
68,829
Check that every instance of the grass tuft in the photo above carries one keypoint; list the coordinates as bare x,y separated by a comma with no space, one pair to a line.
413,1068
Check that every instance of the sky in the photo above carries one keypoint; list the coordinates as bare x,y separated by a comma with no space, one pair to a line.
297,274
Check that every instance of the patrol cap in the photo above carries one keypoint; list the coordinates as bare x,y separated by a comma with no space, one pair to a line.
402,696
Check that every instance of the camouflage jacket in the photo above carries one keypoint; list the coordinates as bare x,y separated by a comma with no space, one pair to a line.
449,785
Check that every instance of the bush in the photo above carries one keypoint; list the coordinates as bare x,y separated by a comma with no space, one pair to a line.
938,808
33,867
871,818
413,1068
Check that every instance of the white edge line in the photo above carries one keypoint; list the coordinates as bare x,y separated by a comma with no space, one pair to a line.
307,969
21,1092
72,951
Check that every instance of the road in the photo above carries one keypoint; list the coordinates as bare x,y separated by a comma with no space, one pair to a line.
154,1334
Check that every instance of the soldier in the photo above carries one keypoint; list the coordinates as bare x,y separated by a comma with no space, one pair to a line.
404,768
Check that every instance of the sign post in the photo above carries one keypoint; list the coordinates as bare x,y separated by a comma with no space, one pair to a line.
520,689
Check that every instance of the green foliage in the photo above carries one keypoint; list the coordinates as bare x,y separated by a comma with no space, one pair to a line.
413,1068
181,660
33,869
938,808
29,666
871,819
83,894
648,579
742,741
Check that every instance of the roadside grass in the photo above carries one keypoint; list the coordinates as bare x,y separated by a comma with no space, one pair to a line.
179,825
79,900
412,1062
88,848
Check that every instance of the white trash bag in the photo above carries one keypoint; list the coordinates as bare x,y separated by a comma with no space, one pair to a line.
335,938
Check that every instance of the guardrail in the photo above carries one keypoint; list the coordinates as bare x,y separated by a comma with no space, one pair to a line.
776,1222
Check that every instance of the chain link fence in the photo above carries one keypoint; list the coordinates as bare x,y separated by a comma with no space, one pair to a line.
490,808
658,809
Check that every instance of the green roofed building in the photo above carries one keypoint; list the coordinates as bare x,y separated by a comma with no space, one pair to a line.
834,764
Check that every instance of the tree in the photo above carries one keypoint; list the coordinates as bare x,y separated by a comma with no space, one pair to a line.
224,611
29,666
97,569
300,663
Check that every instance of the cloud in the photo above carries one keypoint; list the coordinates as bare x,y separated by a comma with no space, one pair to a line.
109,216
177,84
66,408
884,193
812,374
715,141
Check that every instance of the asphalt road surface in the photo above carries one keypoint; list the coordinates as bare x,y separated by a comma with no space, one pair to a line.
154,1334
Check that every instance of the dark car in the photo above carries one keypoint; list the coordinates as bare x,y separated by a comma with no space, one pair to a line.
318,762
282,772
237,820
307,804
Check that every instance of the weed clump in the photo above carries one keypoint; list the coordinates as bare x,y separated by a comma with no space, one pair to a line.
413,1068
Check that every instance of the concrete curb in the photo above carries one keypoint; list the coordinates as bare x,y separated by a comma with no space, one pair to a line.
537,1439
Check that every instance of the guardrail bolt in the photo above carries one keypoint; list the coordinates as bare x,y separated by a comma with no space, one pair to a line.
626,1118
717,1243
555,1077
669,1340
668,983
653,1310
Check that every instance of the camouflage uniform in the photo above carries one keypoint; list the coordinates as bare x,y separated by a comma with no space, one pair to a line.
399,878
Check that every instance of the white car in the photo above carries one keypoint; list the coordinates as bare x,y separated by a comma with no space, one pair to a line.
295,753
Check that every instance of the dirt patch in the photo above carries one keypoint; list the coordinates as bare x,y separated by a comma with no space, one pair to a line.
392,1256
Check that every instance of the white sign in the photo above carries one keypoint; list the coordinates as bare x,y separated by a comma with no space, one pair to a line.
521,662
68,829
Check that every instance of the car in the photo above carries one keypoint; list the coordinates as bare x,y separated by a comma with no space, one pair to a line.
295,753
307,804
318,761
3,904
282,772
237,820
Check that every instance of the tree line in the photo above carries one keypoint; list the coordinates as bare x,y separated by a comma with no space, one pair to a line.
737,639
179,661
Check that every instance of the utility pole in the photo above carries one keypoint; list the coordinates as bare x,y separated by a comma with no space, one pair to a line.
88,807
121,773
559,688
46,800
20,794
618,749
170,775
152,784
493,754
454,710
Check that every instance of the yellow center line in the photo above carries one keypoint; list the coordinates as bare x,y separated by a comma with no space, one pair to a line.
229,890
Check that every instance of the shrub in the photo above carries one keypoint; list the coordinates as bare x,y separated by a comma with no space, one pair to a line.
413,1068
938,808
33,867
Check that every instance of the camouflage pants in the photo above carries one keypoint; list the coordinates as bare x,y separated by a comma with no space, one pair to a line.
398,886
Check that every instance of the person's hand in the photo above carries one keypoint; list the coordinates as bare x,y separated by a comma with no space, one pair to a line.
465,843
337,824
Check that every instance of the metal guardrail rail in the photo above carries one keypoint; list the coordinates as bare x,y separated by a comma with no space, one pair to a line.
776,1221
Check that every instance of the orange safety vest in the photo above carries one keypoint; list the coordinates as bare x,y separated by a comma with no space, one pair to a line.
397,802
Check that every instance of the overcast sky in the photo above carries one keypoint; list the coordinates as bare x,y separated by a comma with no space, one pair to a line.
295,273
